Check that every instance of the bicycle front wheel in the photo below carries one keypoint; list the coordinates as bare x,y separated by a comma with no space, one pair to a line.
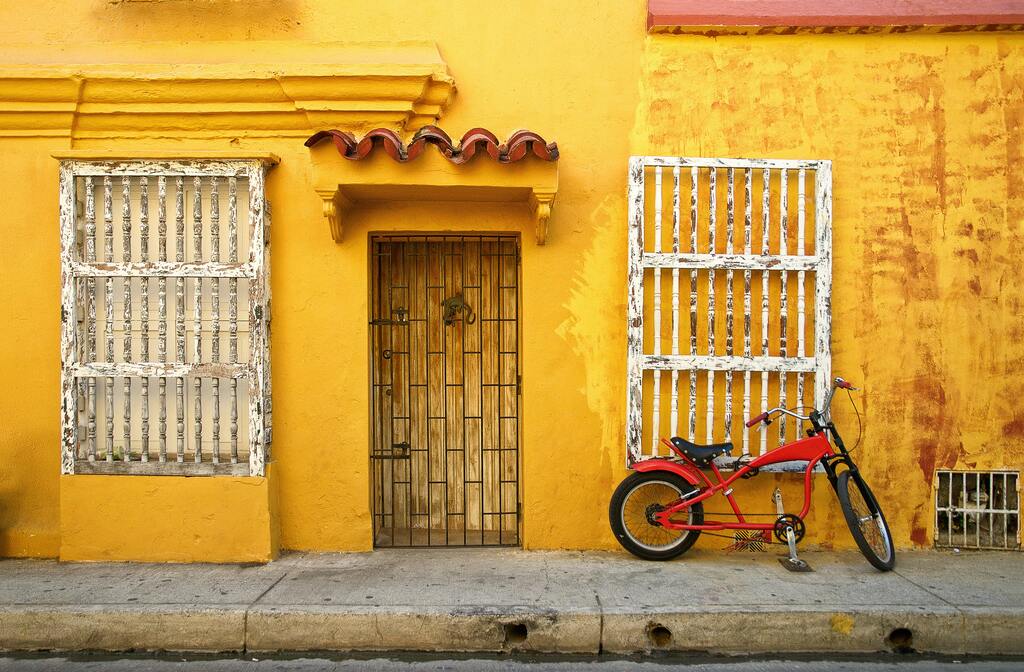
866,521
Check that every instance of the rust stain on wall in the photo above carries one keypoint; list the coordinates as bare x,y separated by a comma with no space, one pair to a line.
1014,428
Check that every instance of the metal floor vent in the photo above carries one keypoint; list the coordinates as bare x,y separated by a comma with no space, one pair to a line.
977,509
752,541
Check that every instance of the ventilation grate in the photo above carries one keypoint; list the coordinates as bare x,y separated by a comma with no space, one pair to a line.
977,509
753,541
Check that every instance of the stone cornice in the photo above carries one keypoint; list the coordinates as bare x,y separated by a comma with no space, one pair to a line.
361,86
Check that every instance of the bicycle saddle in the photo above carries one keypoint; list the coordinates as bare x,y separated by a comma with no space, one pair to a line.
702,455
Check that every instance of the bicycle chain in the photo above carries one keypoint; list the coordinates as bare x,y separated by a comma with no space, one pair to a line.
725,536
746,515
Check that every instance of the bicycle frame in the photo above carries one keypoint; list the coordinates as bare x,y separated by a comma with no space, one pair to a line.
814,449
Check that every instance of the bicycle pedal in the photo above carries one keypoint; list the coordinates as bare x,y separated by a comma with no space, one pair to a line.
795,565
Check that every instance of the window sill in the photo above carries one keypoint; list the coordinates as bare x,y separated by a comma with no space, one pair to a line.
162,155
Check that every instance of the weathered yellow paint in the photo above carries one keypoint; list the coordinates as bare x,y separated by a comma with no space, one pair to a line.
166,519
842,623
925,132
925,135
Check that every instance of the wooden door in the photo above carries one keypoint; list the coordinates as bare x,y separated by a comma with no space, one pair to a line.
444,316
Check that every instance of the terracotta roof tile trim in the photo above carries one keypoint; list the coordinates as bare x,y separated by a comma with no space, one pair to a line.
477,140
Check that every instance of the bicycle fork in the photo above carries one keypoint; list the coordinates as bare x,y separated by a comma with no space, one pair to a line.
792,563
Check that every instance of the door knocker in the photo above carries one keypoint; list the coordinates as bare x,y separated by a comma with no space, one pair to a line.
455,304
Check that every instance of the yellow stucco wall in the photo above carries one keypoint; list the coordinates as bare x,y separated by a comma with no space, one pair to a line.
30,351
167,519
924,130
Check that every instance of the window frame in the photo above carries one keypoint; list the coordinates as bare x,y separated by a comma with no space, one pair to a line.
256,371
817,362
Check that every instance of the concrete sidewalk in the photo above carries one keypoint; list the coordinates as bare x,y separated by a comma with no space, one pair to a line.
495,600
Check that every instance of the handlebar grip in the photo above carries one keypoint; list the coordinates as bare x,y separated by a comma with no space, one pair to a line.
845,384
756,419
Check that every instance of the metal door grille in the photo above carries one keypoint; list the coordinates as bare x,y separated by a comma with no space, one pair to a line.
753,232
444,316
977,509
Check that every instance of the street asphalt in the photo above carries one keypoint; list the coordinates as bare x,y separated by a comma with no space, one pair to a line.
510,664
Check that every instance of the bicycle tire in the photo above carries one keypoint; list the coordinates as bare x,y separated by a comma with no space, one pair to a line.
616,515
878,550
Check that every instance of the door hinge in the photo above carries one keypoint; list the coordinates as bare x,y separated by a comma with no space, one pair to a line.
401,319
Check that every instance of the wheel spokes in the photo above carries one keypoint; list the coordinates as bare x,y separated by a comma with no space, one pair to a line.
635,518
871,526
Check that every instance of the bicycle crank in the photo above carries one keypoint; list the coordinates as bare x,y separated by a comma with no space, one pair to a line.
789,521
789,529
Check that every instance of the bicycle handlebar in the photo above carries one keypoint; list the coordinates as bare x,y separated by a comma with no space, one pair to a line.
756,419
845,385
838,383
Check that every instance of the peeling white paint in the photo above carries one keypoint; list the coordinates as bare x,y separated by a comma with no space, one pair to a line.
776,357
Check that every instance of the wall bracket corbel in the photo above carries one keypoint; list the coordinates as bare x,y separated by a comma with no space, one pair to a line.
335,206
541,202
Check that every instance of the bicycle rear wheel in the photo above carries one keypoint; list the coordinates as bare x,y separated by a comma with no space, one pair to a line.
631,509
866,521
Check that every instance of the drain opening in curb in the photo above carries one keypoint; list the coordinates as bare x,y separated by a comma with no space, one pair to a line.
901,640
659,635
515,633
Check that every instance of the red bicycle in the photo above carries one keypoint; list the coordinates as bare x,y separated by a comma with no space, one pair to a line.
657,512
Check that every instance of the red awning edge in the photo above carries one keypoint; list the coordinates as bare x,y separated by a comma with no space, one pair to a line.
871,15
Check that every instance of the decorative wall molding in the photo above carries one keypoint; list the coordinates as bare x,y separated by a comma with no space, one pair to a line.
362,86
781,17
342,183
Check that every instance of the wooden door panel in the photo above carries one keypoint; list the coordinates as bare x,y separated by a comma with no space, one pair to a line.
445,393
